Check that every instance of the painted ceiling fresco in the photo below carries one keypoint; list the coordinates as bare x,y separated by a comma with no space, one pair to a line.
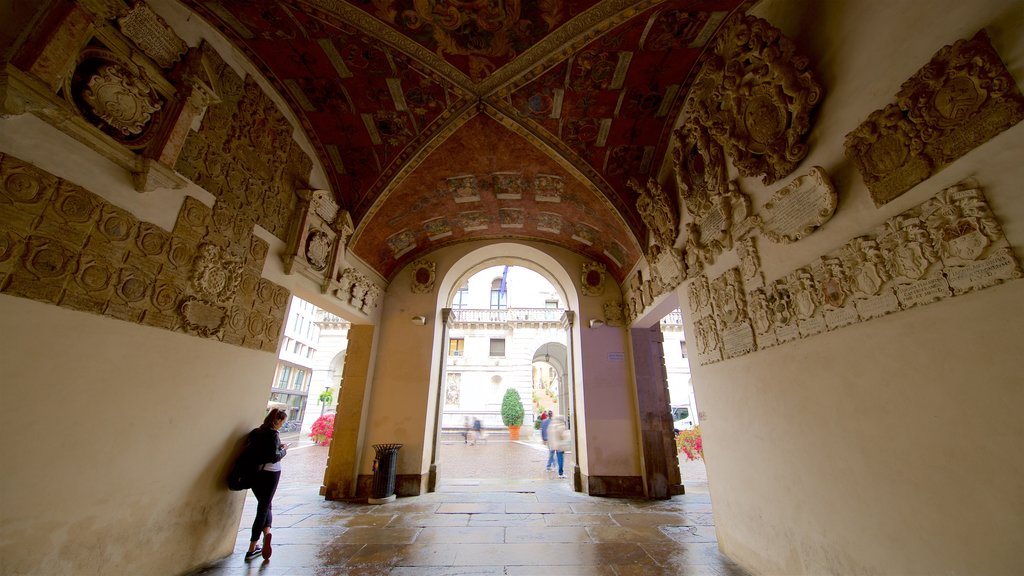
402,98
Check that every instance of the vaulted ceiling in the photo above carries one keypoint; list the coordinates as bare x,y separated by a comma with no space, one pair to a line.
441,121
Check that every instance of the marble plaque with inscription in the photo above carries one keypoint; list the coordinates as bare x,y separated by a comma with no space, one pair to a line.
928,289
879,305
799,208
150,33
787,333
812,326
839,317
997,268
738,339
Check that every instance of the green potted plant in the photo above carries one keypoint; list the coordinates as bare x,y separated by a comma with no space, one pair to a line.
512,412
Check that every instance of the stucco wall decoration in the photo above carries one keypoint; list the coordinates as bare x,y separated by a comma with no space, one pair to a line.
244,154
962,98
947,246
423,276
755,95
592,278
66,246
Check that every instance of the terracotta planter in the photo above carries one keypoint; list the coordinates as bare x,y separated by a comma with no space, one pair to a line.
513,432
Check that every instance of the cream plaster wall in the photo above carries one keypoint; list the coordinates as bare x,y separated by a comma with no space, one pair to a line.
117,441
405,385
891,446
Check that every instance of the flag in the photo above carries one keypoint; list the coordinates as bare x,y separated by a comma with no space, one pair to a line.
504,277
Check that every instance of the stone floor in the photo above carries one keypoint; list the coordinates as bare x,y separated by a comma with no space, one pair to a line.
476,526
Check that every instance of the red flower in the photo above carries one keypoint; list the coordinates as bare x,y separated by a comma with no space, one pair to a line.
323,430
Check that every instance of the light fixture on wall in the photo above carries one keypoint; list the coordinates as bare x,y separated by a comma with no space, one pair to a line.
595,322
419,320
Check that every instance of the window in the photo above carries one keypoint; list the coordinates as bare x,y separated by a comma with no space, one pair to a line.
551,303
285,377
300,380
297,347
682,347
499,297
455,346
461,299
497,347
310,352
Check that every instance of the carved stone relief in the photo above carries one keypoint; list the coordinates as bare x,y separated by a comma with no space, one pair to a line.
698,161
614,314
592,278
656,211
61,244
319,234
423,276
730,306
244,155
962,98
755,95
946,246
121,99
712,232
357,290
799,208
750,263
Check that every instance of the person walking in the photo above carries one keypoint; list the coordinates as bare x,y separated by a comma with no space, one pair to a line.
478,430
545,423
558,442
268,450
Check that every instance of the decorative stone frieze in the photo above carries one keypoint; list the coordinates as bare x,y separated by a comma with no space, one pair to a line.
64,245
946,246
959,100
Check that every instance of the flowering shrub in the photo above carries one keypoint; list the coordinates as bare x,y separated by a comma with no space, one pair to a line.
323,430
689,442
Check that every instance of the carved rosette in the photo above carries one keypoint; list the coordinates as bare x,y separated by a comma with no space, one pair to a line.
755,95
592,278
424,273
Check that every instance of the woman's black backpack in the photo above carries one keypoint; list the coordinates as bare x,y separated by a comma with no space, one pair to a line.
243,471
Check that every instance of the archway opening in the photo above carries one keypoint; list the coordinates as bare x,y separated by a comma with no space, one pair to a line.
505,365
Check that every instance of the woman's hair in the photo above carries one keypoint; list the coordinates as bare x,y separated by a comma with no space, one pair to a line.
274,416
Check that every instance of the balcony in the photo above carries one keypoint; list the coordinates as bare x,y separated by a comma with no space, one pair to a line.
509,317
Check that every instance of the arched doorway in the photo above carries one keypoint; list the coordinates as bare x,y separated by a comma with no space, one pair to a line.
548,319
505,363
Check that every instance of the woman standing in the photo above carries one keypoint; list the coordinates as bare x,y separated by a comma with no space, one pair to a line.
269,450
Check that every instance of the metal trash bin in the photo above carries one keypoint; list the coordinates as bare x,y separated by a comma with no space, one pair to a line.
385,466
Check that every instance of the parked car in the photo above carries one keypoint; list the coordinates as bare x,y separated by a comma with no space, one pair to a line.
682,418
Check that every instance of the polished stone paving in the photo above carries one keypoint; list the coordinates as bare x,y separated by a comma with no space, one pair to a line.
485,527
